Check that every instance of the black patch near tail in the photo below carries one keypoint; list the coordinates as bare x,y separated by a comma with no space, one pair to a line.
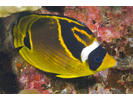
27,41
96,57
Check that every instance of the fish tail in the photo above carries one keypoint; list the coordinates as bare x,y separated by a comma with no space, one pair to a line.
18,37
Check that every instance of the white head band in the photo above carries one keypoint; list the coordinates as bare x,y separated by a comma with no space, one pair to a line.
87,50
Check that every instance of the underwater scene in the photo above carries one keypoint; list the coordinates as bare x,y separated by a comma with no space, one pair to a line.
66,49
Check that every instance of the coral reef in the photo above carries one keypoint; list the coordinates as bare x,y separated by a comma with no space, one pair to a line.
106,22
112,26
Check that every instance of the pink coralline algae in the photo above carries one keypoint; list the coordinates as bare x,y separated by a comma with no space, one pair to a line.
104,22
88,15
30,78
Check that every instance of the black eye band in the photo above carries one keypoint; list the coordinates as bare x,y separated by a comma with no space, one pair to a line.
96,57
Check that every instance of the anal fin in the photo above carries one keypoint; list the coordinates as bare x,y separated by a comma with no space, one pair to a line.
66,76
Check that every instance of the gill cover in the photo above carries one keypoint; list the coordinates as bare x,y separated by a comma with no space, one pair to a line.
54,44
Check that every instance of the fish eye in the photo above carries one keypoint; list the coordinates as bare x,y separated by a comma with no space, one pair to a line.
98,59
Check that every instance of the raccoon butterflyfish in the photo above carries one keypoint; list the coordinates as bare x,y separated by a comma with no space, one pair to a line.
60,45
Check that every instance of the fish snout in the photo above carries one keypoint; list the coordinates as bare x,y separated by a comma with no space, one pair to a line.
108,62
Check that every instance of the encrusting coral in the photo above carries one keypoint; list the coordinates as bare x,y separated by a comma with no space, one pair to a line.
8,10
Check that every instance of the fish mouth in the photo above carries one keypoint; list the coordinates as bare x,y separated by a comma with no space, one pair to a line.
108,62
115,65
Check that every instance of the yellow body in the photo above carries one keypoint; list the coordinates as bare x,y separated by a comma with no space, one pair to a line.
48,50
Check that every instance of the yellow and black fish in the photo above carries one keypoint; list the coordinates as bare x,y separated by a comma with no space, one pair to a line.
60,45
